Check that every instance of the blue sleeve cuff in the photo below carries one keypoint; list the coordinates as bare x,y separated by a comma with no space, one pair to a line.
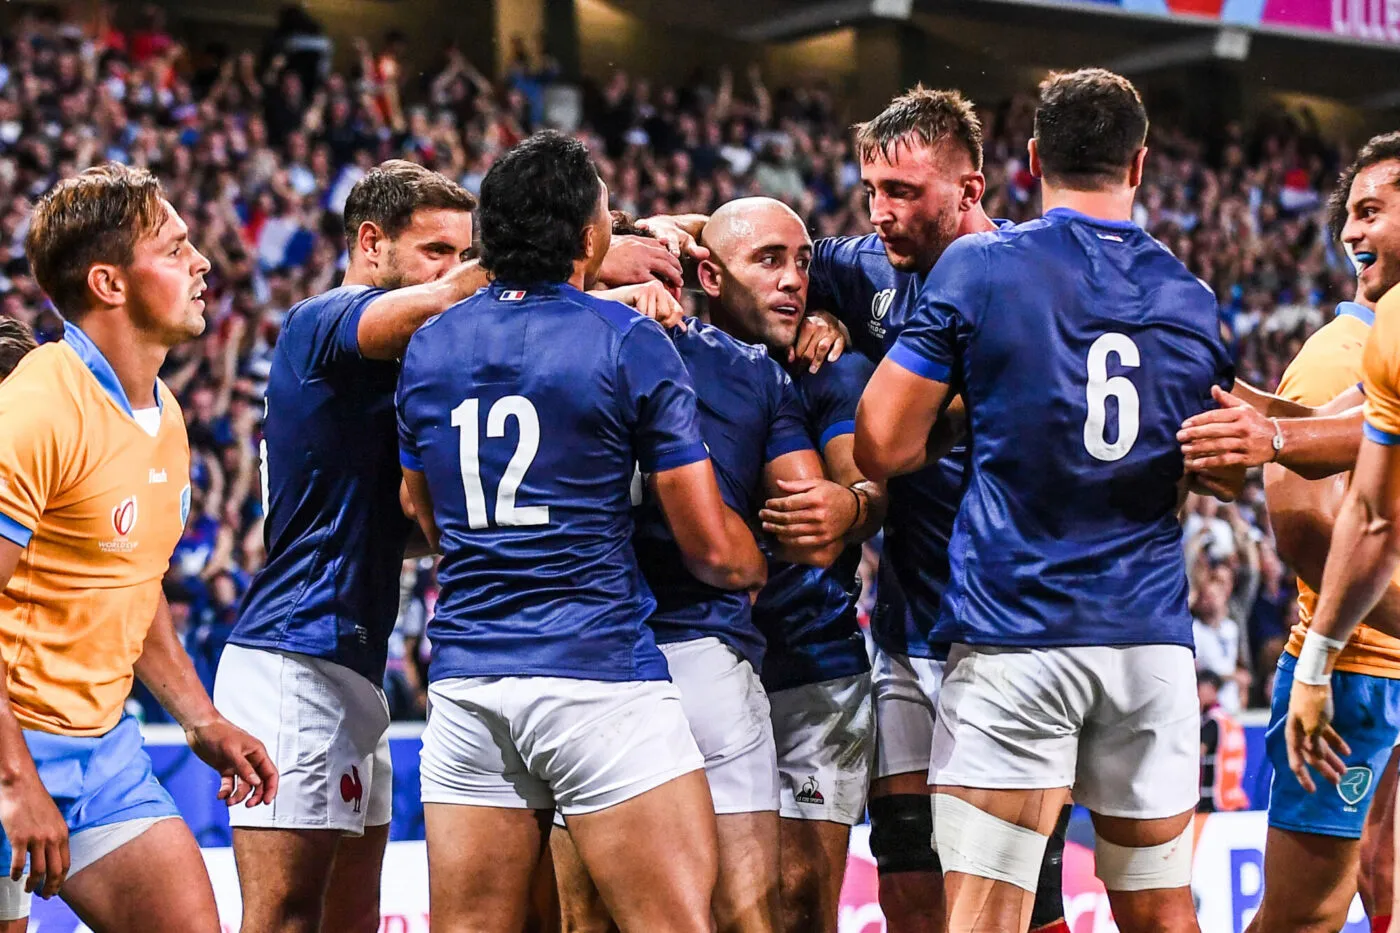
410,461
677,457
13,531
1376,436
835,431
908,359
786,444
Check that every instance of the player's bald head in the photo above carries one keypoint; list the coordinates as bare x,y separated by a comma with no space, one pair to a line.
737,225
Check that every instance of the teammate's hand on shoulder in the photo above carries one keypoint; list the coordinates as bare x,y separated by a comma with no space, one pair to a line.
1312,742
1233,435
37,832
651,299
633,260
820,339
814,513
246,771
674,237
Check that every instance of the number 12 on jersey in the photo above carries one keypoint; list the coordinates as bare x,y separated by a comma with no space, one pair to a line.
466,417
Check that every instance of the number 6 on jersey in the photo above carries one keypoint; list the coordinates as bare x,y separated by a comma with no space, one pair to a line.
1100,388
466,417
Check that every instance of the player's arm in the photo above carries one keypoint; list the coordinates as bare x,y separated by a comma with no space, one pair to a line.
33,826
390,319
247,773
801,477
1318,443
416,488
897,413
716,543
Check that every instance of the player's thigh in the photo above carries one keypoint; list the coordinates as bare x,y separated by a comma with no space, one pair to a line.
352,893
581,906
130,889
1309,881
284,873
654,857
812,867
1374,877
1140,746
1145,864
746,894
480,863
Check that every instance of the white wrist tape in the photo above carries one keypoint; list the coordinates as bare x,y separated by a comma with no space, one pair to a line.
1121,868
1317,650
974,842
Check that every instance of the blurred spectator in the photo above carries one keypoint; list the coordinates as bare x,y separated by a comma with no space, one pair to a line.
1217,635
1222,751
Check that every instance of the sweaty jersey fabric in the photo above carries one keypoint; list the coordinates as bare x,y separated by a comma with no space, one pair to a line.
528,408
808,614
1079,346
335,529
1328,364
750,415
98,505
852,277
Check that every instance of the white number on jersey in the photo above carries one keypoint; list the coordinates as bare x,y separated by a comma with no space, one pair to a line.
1100,388
262,467
467,418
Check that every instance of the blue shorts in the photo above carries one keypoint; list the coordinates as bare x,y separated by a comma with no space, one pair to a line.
1367,716
97,781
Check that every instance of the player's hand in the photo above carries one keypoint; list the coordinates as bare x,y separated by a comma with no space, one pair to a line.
1312,742
651,299
632,260
1224,484
1233,435
819,340
674,237
36,831
246,771
814,513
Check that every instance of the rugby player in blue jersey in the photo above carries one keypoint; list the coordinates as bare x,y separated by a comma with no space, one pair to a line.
1078,343
523,415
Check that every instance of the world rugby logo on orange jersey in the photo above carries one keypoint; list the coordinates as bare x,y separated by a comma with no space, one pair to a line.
124,516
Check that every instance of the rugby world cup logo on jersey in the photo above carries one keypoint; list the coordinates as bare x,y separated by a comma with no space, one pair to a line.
879,309
124,515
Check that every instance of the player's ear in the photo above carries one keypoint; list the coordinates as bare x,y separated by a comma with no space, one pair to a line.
974,185
1034,159
107,283
1139,162
592,242
709,274
371,240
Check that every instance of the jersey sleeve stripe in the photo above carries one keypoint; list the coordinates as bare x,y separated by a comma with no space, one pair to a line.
780,446
410,460
1376,436
679,457
908,359
12,530
835,431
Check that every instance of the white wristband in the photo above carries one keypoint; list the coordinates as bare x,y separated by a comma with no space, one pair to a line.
1317,650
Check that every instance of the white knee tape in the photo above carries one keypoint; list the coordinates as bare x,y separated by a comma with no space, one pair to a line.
974,842
1121,868
14,900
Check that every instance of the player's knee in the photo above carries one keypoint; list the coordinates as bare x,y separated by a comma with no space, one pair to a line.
1146,868
1049,904
901,834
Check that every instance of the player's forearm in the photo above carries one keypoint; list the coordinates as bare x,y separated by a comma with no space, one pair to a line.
391,320
692,224
735,563
1269,405
876,503
16,763
1315,448
1362,558
167,671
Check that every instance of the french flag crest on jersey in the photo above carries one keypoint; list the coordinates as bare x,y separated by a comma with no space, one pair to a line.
513,295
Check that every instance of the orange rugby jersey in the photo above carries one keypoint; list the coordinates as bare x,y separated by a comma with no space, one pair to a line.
1329,364
98,505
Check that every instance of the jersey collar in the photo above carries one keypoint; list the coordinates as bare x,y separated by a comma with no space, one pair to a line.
101,370
1359,311
1067,213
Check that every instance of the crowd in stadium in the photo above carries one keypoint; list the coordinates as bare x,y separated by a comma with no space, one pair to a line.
260,151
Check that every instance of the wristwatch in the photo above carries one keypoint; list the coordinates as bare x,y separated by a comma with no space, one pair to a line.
1278,439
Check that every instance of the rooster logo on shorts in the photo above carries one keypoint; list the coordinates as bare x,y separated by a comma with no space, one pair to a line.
352,789
810,792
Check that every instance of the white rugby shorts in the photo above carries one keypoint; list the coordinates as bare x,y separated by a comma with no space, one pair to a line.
1121,726
327,730
729,715
543,742
825,733
906,694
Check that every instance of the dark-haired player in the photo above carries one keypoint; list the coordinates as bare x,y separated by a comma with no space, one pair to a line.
16,340
524,413
94,487
1072,661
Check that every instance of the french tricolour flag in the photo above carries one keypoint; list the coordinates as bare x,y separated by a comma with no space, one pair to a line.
512,295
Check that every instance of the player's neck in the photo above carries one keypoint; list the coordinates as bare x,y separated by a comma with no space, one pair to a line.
1110,204
134,356
975,221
